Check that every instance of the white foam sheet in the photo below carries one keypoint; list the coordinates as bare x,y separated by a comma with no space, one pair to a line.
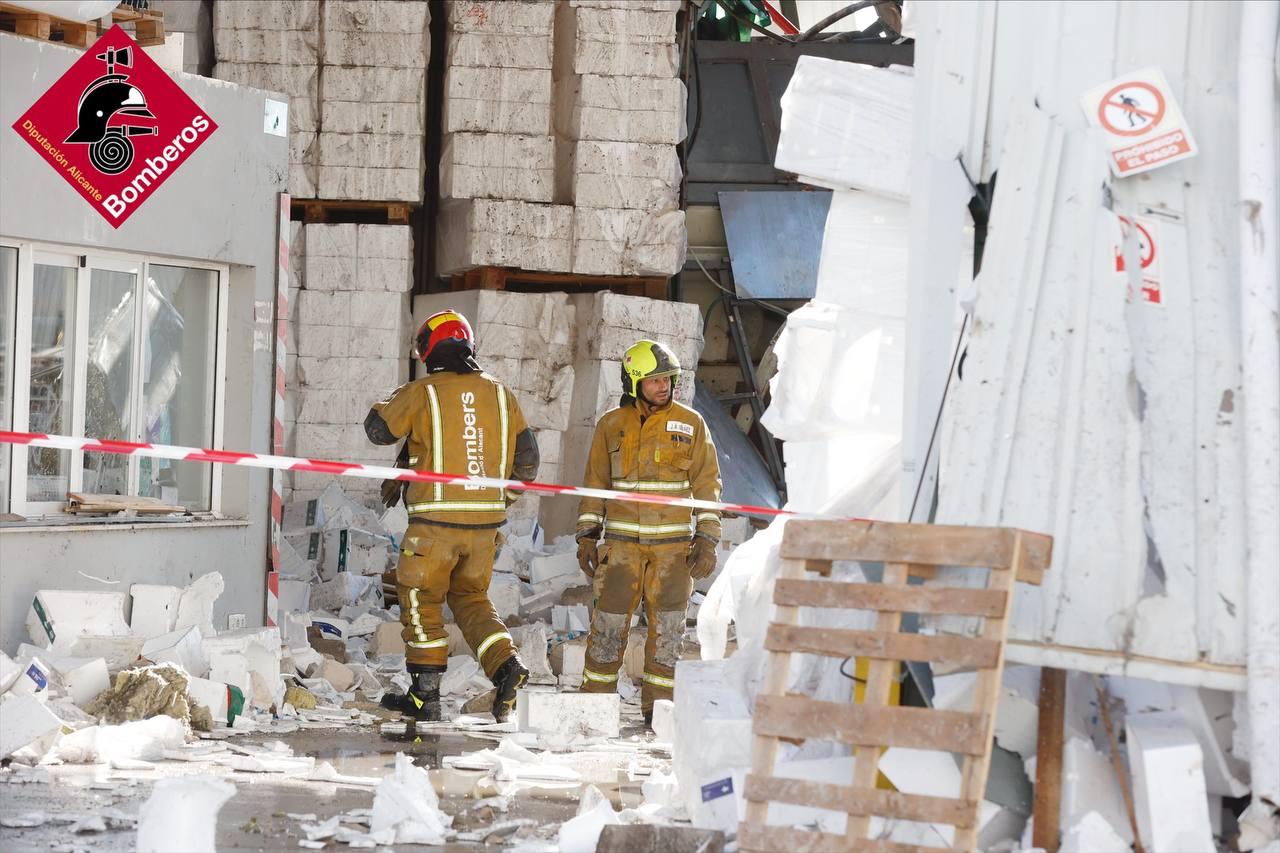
181,815
847,125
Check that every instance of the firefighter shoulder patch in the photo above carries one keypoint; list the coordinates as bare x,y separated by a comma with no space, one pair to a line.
680,426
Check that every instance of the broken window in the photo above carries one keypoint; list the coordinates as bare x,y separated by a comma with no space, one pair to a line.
110,347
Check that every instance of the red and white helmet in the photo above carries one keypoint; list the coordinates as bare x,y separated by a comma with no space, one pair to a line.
447,325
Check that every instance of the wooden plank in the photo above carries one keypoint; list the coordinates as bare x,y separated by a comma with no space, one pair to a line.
764,749
1047,805
986,693
861,801
881,645
863,725
880,675
930,544
903,599
493,278
772,839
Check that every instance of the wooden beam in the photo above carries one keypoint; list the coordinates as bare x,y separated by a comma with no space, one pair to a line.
903,599
879,686
78,35
930,544
861,801
986,696
764,749
863,725
33,26
1047,806
882,645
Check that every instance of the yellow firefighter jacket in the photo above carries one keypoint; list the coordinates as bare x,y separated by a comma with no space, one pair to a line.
669,452
456,423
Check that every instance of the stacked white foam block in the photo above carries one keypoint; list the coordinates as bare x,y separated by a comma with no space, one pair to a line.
275,46
619,115
498,158
350,334
371,126
505,233
562,377
498,77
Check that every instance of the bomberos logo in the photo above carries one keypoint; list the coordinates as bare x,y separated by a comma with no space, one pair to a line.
115,126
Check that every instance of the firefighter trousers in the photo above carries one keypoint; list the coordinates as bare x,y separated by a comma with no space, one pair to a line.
454,564
628,573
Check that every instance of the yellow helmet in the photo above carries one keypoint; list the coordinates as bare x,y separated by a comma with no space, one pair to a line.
647,360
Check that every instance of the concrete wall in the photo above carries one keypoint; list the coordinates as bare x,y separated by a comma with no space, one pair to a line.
220,206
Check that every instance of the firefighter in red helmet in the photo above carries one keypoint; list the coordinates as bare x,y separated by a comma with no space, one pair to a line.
457,420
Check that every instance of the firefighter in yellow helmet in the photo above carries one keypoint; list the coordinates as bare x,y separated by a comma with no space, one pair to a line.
650,552
457,420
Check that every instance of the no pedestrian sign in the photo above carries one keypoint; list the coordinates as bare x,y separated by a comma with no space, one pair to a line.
1145,128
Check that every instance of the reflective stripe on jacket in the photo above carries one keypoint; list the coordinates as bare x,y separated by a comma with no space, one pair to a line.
667,453
456,423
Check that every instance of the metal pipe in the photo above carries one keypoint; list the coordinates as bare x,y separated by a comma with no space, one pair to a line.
1260,361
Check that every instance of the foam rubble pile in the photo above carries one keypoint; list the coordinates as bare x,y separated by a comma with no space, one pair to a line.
354,72
561,124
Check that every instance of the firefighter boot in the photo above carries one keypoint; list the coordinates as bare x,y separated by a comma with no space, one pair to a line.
509,678
422,702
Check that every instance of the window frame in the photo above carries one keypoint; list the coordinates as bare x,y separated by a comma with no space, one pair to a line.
85,260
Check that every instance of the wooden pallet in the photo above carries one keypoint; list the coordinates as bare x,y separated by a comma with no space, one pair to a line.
45,27
505,278
907,551
315,211
148,26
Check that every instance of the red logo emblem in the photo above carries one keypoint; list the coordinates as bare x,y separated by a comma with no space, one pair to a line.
115,126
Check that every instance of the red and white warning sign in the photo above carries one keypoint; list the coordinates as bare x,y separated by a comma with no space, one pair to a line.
1148,255
1145,128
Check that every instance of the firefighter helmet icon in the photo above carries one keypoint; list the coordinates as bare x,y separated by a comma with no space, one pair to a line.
111,95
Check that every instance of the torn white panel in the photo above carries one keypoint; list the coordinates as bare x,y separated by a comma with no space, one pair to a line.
1124,437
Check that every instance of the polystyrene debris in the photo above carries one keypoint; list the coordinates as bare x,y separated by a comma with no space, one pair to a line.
406,803
581,834
181,815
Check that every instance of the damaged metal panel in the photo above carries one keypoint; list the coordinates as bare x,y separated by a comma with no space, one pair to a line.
1110,422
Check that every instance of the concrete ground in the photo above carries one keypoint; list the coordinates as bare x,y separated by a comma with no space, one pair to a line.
257,816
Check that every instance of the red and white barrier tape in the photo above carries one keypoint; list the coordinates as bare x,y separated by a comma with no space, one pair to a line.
371,472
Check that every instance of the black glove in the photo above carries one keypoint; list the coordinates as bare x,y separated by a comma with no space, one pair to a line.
393,490
702,557
589,552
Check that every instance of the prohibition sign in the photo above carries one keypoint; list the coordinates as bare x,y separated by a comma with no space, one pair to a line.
1146,246
1131,109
